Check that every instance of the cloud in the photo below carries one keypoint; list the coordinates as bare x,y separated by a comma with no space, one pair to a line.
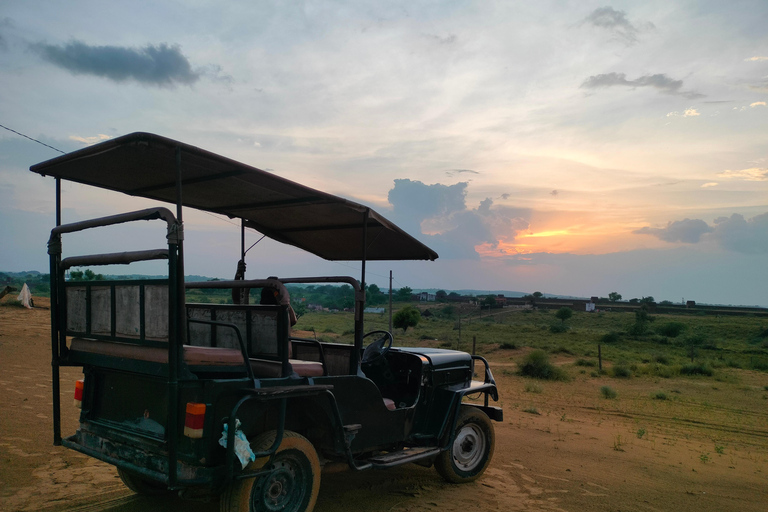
752,174
158,65
738,234
757,104
734,233
689,112
454,172
661,82
437,214
616,23
710,184
688,231
90,140
756,58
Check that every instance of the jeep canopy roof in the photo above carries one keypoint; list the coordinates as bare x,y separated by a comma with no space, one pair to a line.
147,165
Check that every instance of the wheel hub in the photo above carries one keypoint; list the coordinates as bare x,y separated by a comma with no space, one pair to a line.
468,448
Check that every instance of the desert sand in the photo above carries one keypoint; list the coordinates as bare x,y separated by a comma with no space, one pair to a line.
705,448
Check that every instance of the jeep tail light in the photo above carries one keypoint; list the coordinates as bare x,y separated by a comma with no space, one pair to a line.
79,394
193,424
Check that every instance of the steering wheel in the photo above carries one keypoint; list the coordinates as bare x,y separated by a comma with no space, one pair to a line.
378,349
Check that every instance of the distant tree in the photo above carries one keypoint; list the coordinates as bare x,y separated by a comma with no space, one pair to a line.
300,308
441,295
404,294
373,295
564,314
86,275
647,300
406,317
692,343
614,296
634,301
454,295
537,295
489,300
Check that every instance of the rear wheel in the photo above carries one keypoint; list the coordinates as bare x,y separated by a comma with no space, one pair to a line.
142,485
291,484
472,449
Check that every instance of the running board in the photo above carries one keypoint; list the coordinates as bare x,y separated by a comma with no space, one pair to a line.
392,459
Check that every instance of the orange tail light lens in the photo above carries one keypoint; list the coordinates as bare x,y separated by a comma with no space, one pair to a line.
79,394
194,421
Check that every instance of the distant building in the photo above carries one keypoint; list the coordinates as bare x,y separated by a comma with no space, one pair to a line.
426,297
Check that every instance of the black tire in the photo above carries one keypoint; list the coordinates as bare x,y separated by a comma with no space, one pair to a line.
292,484
142,485
472,449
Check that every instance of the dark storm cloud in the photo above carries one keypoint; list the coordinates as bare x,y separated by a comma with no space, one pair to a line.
734,233
617,23
159,65
443,209
688,231
661,82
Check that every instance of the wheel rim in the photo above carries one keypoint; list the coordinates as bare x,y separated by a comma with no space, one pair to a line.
469,447
283,488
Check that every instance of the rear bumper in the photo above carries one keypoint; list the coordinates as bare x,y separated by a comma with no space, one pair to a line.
151,465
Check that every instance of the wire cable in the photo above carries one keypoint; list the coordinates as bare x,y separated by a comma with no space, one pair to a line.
33,140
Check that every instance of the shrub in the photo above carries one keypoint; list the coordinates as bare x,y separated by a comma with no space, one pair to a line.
532,410
558,328
696,369
532,387
536,364
661,358
608,392
611,337
620,371
406,317
671,329
561,350
585,362
508,345
660,395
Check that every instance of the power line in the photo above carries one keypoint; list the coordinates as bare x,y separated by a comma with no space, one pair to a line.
33,140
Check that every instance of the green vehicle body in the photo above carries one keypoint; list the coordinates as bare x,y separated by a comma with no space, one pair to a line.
146,353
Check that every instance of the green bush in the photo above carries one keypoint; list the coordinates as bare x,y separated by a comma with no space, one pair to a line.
536,364
508,345
611,337
620,371
660,395
558,328
585,362
671,329
608,392
696,369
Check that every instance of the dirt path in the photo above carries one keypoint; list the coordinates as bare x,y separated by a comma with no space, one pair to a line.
706,450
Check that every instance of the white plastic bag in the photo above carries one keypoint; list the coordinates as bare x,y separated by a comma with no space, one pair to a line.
242,446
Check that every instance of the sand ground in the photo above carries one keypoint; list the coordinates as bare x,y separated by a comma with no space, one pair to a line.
703,449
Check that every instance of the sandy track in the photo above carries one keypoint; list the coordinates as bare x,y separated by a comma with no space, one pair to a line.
580,453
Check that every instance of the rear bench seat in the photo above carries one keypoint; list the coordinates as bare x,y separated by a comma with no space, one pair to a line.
195,357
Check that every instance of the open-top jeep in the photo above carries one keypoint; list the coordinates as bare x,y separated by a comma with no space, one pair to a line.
221,399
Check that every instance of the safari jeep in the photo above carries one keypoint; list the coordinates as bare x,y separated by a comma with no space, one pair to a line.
208,400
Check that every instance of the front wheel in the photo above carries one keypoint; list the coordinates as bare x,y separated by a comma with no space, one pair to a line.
291,484
472,449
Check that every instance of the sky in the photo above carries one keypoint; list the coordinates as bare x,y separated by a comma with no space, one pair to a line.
568,147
